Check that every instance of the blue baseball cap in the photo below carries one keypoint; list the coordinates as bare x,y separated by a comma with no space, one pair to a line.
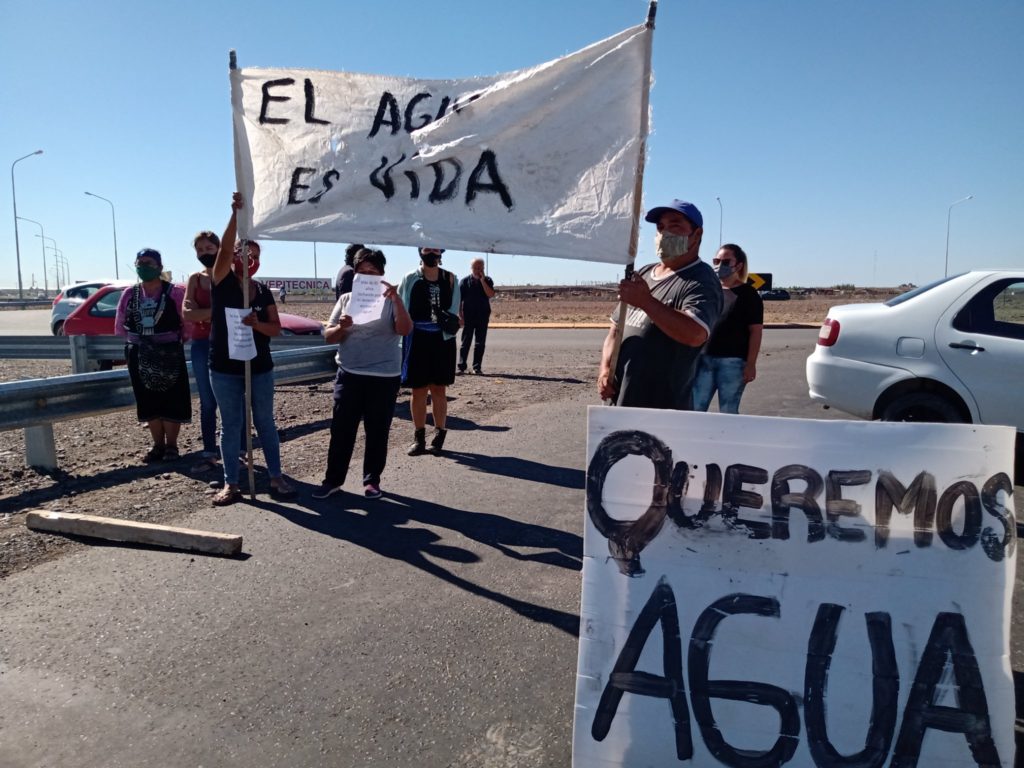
150,253
689,210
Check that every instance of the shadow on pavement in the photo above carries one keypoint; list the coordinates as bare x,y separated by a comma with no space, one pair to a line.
565,550
377,525
523,469
529,377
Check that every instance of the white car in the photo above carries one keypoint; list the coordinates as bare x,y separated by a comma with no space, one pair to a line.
72,297
951,351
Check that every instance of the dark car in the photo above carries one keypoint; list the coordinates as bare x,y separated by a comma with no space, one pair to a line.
777,294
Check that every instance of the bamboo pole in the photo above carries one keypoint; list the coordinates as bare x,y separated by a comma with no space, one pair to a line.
634,235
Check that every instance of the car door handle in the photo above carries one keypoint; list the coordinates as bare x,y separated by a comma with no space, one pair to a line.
972,347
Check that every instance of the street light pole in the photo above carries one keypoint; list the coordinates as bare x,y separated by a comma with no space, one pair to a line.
14,203
949,215
316,277
113,219
42,234
719,221
54,247
58,256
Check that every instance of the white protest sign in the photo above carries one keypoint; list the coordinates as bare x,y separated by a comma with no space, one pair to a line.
542,161
367,301
766,591
241,344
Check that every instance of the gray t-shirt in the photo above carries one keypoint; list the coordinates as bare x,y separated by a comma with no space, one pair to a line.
653,370
370,349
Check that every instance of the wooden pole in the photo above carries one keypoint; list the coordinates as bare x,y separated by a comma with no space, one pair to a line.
134,532
233,66
248,378
634,235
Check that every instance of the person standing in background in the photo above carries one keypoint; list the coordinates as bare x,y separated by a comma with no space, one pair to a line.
477,290
431,295
343,282
729,361
149,316
196,311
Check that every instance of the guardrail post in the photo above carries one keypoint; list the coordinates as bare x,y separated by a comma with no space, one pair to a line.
80,362
40,449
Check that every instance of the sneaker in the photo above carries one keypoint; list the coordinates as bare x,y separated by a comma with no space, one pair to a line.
372,491
478,372
326,490
461,370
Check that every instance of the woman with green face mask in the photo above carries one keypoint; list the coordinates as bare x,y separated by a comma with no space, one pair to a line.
149,316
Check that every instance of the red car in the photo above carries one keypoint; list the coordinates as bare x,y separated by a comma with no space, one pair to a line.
95,317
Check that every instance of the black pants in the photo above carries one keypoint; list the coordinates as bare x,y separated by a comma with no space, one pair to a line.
477,327
371,400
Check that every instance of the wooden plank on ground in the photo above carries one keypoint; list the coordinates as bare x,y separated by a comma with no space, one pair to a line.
134,532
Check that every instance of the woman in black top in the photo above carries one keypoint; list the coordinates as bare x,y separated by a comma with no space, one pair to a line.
428,353
228,375
729,361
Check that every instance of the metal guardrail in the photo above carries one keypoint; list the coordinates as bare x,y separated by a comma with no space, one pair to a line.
87,352
36,404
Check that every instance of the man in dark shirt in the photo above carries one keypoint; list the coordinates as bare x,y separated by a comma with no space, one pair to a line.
477,291
671,308
343,283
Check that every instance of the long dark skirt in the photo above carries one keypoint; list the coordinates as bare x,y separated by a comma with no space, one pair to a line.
429,359
172,404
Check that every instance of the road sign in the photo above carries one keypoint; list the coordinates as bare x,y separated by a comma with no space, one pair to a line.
760,281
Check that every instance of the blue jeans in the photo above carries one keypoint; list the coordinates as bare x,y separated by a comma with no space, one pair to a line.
207,402
230,392
724,374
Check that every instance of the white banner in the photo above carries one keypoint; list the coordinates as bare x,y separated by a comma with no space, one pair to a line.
539,162
764,591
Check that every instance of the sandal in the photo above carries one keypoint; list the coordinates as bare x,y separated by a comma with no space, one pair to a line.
156,453
226,496
171,453
282,489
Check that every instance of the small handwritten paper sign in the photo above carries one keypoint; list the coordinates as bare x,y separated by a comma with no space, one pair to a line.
241,345
367,300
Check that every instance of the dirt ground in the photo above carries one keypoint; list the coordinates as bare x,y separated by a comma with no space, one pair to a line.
101,471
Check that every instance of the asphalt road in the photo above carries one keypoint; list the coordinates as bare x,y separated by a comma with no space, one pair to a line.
437,627
25,322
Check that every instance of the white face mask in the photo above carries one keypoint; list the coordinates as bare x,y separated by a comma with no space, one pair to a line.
669,246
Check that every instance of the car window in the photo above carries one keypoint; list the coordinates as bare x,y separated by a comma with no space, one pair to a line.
106,305
918,291
76,293
997,310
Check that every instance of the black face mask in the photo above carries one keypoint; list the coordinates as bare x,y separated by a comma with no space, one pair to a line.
207,259
430,259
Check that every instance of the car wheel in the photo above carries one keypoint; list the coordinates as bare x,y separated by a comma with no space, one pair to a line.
58,328
922,406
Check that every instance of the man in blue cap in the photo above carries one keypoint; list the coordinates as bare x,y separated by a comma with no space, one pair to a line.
671,308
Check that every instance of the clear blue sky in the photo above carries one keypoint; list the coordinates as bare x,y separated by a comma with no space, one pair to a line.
836,134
